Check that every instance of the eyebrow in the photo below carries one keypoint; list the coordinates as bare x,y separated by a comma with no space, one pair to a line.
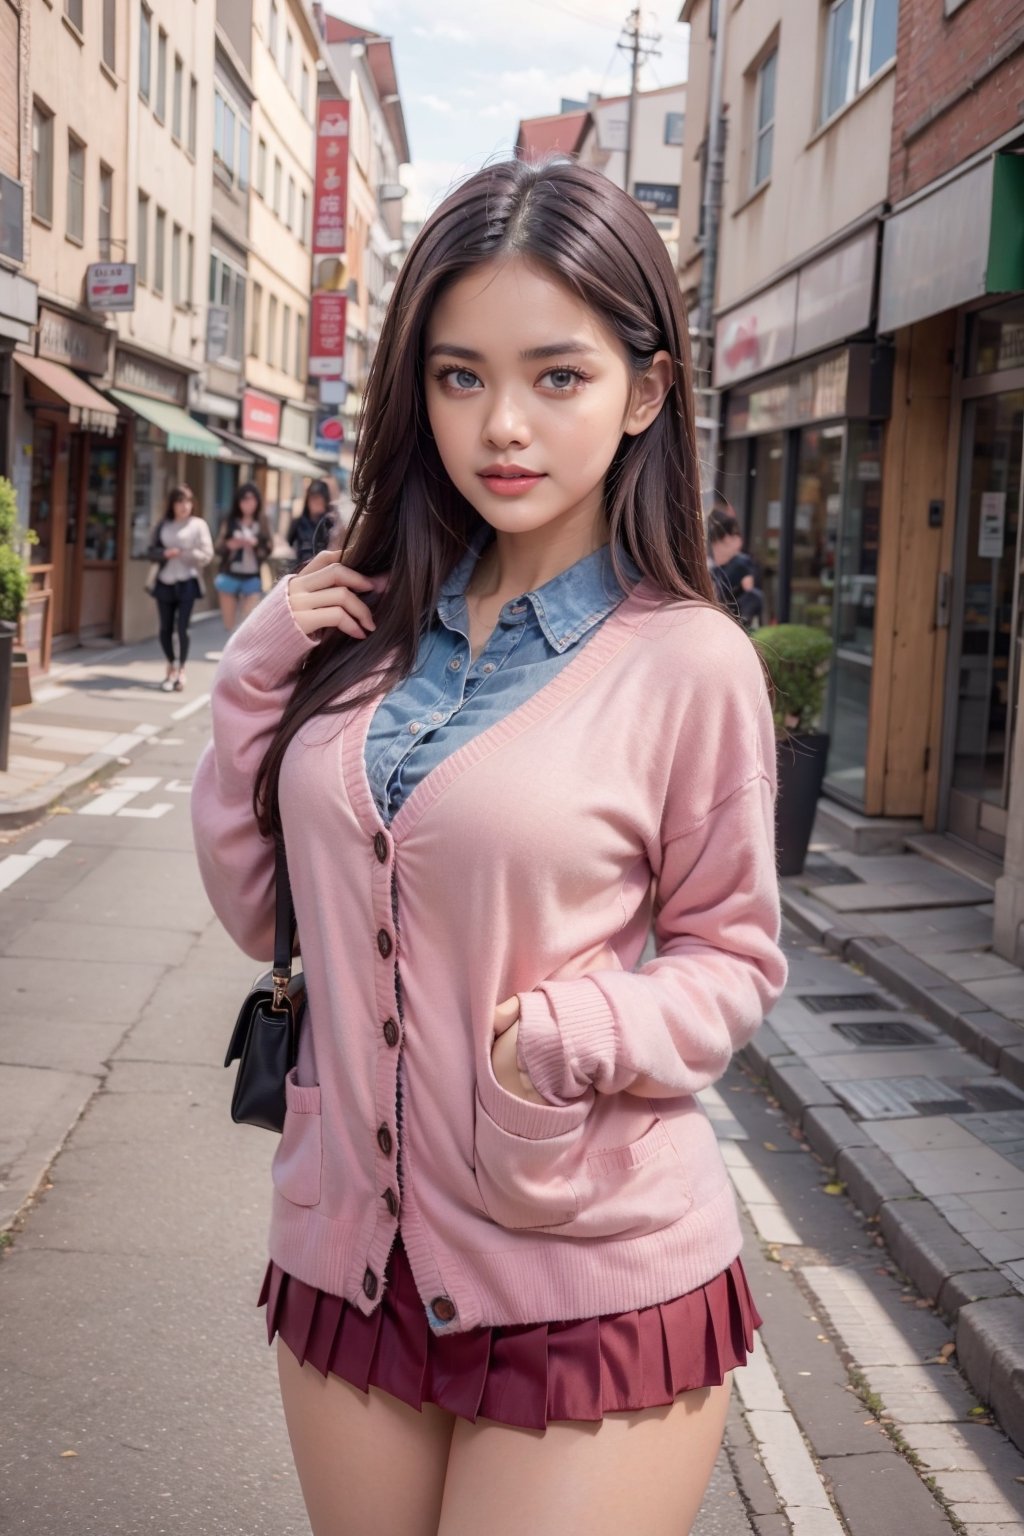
551,349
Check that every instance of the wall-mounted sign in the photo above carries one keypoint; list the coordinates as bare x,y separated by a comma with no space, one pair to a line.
330,187
110,285
64,340
330,431
261,417
327,335
146,377
656,196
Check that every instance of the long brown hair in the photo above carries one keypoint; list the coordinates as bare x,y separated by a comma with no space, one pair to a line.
408,516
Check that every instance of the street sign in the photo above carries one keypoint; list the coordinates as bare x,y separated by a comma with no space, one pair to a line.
110,285
327,335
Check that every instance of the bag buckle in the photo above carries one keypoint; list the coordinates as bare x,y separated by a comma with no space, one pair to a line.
281,981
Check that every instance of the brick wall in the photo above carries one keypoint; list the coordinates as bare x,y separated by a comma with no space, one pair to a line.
959,86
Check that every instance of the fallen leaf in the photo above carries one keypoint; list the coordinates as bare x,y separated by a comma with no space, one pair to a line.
947,1350
69,1453
769,1146
835,1188
922,1301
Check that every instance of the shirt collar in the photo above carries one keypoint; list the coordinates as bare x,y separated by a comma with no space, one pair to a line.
566,606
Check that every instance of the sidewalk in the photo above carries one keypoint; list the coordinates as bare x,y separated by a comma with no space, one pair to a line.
86,717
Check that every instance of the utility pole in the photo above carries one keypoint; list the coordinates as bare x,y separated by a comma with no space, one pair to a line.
633,43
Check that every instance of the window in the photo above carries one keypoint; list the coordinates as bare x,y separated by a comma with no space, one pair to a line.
674,124
860,39
75,229
304,91
290,220
190,273
271,329
161,75
244,153
142,239
110,33
227,288
145,45
257,315
764,120
176,272
286,338
273,32
178,98
160,251
193,109
42,163
73,12
224,133
276,204
261,167
106,206
300,346
304,231
289,56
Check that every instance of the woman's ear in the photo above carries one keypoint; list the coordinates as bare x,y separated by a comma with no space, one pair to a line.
649,394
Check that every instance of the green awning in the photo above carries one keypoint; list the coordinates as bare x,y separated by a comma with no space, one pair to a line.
184,433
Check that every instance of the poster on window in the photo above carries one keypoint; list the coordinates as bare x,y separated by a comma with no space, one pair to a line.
991,525
330,188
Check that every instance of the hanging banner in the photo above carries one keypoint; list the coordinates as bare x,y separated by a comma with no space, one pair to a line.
327,335
330,189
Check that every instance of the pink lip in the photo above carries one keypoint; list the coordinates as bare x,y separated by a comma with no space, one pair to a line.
510,485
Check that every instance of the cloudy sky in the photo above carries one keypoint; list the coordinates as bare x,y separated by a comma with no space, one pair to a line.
468,70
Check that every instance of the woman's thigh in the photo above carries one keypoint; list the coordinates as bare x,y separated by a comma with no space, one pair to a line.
645,1472
368,1464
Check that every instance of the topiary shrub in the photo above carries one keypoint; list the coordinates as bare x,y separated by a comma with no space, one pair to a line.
797,657
13,574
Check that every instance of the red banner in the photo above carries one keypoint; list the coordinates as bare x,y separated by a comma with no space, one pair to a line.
261,417
330,190
327,335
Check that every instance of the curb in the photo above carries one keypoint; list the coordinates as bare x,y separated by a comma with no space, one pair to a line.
23,810
975,1298
995,1039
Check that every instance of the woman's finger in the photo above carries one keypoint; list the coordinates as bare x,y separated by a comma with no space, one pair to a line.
332,597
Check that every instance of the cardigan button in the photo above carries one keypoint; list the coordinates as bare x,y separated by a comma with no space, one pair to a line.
370,1284
443,1308
391,1201
384,942
384,1140
390,1031
380,846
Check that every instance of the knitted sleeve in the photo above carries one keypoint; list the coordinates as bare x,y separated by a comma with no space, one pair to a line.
671,1026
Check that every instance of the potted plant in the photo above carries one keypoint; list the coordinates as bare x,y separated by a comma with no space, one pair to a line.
797,658
13,588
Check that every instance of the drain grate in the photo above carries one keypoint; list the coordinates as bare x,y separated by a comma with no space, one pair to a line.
990,1097
882,1032
896,1098
844,1002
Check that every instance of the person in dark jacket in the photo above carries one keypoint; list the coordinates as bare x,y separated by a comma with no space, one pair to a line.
302,532
732,570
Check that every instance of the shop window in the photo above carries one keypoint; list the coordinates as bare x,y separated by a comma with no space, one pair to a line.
860,39
995,339
816,525
101,502
42,163
764,528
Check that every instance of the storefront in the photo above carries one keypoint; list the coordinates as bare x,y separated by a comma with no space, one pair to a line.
281,471
76,483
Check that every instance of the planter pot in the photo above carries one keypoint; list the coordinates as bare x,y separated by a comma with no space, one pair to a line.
801,766
21,683
7,633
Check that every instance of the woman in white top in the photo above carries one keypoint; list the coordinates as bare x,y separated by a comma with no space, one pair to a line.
182,542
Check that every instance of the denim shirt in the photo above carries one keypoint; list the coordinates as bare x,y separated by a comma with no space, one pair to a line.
447,699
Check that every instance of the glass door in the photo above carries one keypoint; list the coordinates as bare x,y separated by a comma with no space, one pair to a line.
986,635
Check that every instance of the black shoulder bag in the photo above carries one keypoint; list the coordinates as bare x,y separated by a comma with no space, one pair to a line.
265,1038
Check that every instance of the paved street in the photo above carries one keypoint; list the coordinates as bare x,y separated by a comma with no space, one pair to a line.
136,1390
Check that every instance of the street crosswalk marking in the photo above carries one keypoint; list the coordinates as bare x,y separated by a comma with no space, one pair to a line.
17,864
116,800
191,709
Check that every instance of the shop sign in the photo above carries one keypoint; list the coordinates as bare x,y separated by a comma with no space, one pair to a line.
330,186
261,417
327,335
656,196
757,335
146,377
330,430
814,393
1011,345
296,426
110,285
63,340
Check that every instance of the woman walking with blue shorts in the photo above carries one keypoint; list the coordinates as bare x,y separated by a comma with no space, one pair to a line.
243,543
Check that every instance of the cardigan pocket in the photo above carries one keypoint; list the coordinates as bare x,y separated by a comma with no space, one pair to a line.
603,1166
297,1162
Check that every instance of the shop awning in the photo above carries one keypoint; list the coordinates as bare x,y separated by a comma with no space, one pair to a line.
87,408
274,457
184,433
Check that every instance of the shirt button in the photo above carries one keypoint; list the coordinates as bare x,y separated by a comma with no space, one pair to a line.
455,663
384,1140
384,942
380,846
390,1031
437,715
370,1284
443,1308
414,726
488,666
391,1201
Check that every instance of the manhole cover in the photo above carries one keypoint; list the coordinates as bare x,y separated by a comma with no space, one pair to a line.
991,1097
882,1032
843,1002
881,1098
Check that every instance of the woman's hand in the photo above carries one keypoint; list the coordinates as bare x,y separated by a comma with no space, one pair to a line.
169,554
503,1053
326,596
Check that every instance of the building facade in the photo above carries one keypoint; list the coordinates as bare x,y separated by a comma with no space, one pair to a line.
18,293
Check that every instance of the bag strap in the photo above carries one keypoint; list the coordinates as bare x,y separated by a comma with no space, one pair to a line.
284,928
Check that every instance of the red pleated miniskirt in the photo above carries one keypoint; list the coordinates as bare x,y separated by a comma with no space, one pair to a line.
528,1374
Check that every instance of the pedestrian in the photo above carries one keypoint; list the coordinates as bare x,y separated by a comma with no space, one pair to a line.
733,571
182,544
502,728
302,533
244,542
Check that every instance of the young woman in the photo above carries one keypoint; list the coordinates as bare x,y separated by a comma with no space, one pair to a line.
503,730
244,542
181,541
302,532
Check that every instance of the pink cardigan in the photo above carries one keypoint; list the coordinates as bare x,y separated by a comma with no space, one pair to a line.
525,863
